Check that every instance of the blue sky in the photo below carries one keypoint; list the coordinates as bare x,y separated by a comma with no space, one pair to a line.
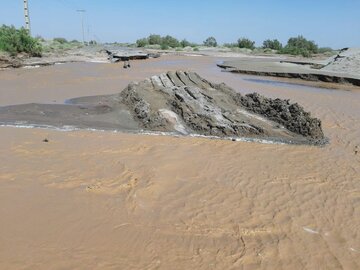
334,23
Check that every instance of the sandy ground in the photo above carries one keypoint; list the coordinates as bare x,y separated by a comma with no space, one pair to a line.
101,200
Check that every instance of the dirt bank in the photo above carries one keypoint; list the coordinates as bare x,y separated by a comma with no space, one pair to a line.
7,61
179,103
341,69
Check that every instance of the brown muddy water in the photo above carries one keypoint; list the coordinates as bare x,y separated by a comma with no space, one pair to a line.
104,200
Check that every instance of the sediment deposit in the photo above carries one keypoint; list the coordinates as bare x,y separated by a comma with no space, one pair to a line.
180,103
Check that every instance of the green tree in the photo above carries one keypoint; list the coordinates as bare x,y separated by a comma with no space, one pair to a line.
246,43
300,46
210,42
154,39
170,41
142,42
184,43
272,44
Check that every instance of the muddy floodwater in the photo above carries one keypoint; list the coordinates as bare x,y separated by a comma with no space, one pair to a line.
86,199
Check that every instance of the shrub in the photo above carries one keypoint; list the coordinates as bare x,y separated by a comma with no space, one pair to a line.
154,39
196,49
16,41
246,43
272,44
210,42
303,43
184,43
295,51
268,50
164,42
164,47
142,42
170,41
60,40
300,46
230,45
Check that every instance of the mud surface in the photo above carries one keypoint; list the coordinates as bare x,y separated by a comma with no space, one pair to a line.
292,116
180,103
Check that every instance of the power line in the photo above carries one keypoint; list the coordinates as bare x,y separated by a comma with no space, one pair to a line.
82,11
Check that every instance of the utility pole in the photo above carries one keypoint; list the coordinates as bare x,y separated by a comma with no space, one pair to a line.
82,11
27,18
88,33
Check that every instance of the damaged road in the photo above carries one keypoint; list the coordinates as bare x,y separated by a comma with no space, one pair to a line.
178,103
120,55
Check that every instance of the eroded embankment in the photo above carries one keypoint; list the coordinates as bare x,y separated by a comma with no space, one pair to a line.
179,102
313,77
9,62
